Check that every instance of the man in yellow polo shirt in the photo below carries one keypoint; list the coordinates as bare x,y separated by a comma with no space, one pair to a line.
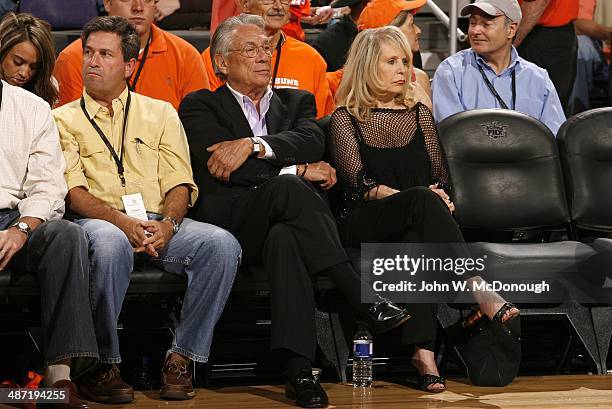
130,183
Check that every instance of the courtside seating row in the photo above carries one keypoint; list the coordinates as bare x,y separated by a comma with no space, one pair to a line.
509,174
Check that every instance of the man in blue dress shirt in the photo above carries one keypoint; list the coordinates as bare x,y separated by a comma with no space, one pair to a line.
491,74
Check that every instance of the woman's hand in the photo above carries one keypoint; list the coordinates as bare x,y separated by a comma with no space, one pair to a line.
321,173
380,192
444,196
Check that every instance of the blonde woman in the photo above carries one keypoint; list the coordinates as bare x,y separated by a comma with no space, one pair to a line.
391,171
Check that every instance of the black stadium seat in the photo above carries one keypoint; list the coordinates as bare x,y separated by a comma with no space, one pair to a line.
585,145
506,177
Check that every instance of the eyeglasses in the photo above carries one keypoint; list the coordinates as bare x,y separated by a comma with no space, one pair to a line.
252,50
270,2
144,1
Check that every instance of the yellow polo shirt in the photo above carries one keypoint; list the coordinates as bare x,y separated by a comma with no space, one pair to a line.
156,157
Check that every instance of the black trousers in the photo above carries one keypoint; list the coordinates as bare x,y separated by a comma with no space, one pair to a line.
554,49
57,252
288,228
415,215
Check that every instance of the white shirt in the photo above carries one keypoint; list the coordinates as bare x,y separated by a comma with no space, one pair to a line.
31,160
257,121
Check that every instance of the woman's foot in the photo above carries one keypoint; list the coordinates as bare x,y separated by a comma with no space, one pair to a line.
493,305
503,312
429,378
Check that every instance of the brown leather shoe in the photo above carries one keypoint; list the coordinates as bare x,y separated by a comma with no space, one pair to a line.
74,399
104,385
176,379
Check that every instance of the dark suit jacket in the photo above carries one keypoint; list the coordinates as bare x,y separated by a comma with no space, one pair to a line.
211,117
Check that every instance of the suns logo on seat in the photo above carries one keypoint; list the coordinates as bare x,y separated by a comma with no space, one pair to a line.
495,129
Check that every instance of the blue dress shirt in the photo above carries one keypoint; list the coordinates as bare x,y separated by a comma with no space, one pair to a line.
458,86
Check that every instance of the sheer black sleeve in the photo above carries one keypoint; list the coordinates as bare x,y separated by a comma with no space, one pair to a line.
432,144
345,152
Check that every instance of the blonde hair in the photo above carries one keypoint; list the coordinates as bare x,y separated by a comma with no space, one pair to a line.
361,85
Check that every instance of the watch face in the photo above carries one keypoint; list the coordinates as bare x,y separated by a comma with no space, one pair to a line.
23,226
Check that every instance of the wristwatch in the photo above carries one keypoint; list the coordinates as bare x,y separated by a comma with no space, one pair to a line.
256,147
23,227
175,224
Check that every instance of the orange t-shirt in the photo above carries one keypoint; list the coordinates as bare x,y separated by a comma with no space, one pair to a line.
558,13
334,78
300,67
172,70
222,9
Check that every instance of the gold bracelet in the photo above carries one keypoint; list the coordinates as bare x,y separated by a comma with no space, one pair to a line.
304,169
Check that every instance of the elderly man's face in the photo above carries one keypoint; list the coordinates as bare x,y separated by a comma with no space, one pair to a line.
274,12
140,13
489,34
247,65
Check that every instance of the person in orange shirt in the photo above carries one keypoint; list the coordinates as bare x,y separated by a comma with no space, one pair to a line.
294,64
222,9
547,38
168,67
379,13
301,11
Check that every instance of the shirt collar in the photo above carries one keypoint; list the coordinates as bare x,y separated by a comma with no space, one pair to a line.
158,41
514,61
93,107
243,99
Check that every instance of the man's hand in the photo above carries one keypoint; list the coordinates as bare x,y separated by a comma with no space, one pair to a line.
162,234
135,233
319,15
11,241
165,8
320,173
227,157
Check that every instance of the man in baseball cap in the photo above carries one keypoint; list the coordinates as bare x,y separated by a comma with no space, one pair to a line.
491,74
508,8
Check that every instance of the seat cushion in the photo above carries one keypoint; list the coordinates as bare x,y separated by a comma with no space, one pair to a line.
573,270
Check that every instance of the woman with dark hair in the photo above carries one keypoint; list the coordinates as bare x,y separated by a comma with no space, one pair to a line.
27,55
391,172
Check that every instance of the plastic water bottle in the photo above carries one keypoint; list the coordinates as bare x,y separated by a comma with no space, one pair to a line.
362,359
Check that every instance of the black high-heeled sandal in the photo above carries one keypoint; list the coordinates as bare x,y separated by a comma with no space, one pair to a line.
423,381
499,315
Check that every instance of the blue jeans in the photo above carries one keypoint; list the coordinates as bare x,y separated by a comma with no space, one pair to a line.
207,255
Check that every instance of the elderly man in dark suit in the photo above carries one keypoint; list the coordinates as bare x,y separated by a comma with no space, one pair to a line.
256,156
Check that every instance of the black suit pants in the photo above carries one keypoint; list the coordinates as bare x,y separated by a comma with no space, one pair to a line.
286,226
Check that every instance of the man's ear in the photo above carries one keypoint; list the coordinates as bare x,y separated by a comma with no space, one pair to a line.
512,27
129,68
107,6
244,5
221,63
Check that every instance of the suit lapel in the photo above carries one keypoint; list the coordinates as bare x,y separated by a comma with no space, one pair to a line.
276,118
238,122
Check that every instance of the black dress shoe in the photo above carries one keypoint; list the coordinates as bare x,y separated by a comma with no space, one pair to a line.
306,391
384,315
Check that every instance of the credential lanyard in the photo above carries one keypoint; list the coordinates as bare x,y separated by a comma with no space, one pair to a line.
132,86
494,91
1,94
279,48
118,158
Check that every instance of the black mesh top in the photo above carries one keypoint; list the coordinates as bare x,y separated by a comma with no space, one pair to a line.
398,148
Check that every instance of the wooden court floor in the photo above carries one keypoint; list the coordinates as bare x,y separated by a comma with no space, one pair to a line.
540,392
